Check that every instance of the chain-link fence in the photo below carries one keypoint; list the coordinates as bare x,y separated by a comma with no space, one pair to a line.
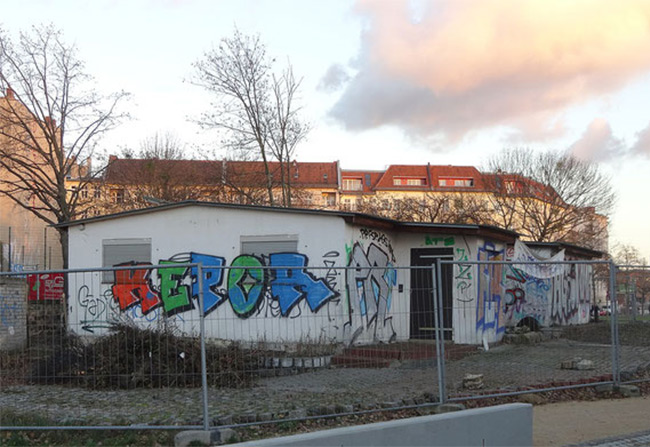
201,344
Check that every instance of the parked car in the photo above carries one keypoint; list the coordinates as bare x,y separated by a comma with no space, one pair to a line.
605,310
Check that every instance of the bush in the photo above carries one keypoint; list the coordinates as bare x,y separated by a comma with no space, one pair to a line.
132,357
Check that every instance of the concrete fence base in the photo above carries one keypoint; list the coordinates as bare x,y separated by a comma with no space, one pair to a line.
502,425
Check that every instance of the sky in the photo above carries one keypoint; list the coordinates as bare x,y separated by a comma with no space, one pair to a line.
393,81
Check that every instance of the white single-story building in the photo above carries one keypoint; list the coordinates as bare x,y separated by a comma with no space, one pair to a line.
330,295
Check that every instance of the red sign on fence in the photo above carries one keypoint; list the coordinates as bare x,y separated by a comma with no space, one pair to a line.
46,286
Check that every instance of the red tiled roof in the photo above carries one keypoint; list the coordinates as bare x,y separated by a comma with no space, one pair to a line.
457,172
208,172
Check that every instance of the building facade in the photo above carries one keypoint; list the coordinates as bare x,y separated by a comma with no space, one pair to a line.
303,276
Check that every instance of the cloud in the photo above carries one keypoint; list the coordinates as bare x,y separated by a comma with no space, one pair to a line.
598,143
642,145
333,79
463,65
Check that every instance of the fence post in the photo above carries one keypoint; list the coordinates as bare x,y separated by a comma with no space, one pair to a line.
204,372
614,323
438,321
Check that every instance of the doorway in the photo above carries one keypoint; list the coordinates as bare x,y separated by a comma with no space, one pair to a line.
424,291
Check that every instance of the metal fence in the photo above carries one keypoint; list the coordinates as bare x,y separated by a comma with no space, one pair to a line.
199,345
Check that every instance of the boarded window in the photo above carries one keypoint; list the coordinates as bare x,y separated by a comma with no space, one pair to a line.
119,251
265,245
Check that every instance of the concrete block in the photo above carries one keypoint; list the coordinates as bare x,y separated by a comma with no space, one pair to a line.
604,388
629,390
205,437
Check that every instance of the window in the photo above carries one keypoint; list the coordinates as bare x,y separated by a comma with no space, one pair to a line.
409,181
119,251
84,193
118,195
352,184
97,193
267,244
329,198
456,182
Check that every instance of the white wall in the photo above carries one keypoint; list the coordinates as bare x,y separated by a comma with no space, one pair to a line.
176,233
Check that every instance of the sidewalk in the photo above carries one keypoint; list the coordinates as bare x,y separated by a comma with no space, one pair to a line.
618,422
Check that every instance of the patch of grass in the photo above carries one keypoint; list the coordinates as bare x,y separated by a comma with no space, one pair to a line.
111,438
630,333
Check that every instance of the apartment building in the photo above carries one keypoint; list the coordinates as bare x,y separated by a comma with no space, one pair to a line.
416,193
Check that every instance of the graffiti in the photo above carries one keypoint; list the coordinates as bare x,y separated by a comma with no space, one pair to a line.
438,240
379,238
369,287
247,284
571,295
97,312
9,311
489,303
463,275
563,299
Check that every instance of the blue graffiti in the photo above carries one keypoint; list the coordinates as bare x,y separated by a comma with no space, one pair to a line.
290,285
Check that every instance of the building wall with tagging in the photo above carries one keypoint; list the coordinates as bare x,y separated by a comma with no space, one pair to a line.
349,283
13,313
561,300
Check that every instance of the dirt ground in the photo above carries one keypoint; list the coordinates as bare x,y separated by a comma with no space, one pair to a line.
581,421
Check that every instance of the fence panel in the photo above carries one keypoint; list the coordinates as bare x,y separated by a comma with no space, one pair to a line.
633,317
534,325
196,343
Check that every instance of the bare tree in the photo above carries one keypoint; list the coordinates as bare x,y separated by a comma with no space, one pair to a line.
162,146
632,278
439,207
255,109
50,122
550,196
157,173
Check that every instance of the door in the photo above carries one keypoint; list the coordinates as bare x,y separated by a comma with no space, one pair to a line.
424,291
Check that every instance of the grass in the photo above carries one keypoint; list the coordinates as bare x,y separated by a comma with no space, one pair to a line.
633,333
91,438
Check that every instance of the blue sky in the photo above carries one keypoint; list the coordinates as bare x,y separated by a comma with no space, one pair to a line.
391,81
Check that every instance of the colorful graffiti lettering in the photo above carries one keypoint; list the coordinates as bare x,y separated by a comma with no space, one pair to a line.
560,300
292,284
369,287
248,281
489,302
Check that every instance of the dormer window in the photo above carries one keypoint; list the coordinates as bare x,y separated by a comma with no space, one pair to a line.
352,184
409,181
456,182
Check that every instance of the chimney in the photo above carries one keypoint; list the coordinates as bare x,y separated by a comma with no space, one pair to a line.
51,122
112,158
9,94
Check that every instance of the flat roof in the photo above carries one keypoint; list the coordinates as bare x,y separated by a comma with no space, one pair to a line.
350,217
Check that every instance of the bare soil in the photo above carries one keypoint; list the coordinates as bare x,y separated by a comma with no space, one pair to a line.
574,422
